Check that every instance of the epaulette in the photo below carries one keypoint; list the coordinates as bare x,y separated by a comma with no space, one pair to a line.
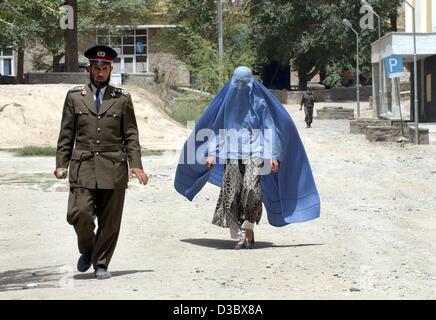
121,91
78,88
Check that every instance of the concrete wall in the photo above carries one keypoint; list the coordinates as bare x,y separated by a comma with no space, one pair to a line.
425,16
328,95
7,80
138,79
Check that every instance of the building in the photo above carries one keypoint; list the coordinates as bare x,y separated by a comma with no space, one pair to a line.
401,43
425,14
142,56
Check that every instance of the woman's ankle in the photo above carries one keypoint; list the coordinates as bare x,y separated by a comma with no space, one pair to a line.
249,234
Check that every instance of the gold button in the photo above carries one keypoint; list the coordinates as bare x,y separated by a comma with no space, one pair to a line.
99,117
97,153
98,141
80,112
98,129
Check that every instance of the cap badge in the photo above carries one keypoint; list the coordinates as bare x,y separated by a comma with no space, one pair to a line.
101,54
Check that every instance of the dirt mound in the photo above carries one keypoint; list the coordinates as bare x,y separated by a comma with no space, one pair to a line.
31,115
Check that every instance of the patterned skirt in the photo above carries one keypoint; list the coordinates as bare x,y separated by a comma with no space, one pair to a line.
240,197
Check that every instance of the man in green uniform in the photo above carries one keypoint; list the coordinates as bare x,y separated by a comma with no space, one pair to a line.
99,143
308,100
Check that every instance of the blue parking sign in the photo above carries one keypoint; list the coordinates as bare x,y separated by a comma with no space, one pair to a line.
394,66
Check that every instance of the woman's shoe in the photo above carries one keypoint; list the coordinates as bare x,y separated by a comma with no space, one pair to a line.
249,244
240,245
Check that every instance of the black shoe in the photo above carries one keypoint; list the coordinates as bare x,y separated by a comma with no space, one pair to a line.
102,273
84,262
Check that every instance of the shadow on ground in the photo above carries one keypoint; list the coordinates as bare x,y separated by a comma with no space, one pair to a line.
49,277
21,279
90,275
229,244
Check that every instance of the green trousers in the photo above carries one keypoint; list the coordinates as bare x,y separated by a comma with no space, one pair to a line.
84,205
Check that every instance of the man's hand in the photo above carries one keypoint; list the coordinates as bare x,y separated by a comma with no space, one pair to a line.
61,173
211,162
274,166
140,174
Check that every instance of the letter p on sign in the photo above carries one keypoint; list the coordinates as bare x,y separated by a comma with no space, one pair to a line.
394,66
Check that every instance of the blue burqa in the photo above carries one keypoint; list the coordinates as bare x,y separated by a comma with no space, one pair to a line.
244,104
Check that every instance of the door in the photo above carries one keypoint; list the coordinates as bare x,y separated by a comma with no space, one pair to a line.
430,89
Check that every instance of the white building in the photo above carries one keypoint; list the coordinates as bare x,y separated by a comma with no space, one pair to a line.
401,43
425,16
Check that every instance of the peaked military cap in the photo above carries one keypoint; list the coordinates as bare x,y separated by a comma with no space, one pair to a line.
100,54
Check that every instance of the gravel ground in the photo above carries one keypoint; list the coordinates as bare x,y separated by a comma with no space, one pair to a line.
374,240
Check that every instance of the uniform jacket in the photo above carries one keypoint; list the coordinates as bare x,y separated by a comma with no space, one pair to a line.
99,146
308,100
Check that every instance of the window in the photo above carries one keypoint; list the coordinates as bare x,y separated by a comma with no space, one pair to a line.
131,45
6,62
128,65
7,52
128,50
141,63
116,65
7,67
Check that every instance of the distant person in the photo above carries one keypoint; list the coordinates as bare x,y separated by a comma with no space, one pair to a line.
308,100
98,142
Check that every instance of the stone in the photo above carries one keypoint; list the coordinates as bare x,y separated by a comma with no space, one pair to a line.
402,139
404,126
359,126
382,133
423,135
338,113
31,286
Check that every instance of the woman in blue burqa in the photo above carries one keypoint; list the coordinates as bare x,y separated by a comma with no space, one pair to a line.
246,143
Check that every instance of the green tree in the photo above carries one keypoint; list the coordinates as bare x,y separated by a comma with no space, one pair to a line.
310,32
24,23
195,41
107,14
19,28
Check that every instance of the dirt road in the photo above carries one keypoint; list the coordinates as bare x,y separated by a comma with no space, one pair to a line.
375,238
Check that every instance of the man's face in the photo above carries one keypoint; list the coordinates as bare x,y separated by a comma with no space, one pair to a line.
100,74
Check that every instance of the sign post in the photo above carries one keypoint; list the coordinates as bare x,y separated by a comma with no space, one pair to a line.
394,70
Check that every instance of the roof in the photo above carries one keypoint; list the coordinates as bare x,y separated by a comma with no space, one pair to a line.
401,43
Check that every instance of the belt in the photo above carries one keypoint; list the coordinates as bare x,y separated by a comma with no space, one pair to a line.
100,148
